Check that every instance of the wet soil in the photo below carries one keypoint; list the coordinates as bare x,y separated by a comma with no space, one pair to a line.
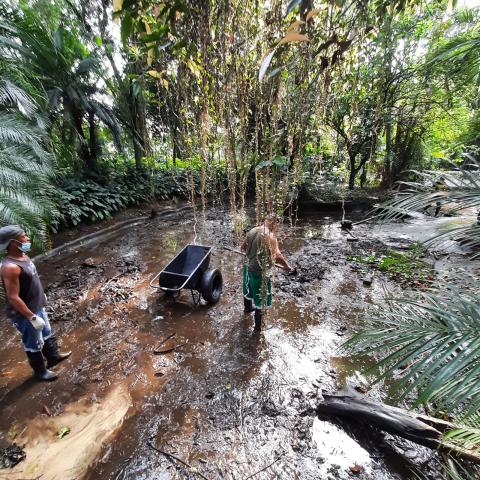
194,380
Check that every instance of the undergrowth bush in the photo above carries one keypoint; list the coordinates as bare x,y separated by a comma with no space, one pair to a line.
325,190
88,201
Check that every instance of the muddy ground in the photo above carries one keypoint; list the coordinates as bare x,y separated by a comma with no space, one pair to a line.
193,380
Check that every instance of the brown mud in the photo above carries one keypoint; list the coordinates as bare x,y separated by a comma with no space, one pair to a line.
194,381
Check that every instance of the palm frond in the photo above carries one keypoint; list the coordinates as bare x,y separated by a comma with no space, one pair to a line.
66,74
106,115
26,159
452,470
26,168
13,129
468,236
466,437
462,191
12,95
433,340
460,54
467,434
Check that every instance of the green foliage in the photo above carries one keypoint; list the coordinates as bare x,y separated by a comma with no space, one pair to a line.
466,436
330,188
25,165
405,267
170,183
87,201
62,67
461,191
432,339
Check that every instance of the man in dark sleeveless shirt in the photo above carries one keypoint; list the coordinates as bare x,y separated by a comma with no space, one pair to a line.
262,252
25,302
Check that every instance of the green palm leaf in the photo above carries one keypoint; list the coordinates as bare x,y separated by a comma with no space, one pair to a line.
433,341
66,73
14,129
12,95
462,192
461,55
26,168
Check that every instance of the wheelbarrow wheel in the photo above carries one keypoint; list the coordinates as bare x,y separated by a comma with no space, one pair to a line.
211,286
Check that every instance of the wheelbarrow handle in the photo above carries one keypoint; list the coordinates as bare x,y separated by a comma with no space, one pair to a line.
234,250
153,279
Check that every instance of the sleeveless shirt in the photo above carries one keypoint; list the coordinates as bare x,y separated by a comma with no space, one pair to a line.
31,290
258,250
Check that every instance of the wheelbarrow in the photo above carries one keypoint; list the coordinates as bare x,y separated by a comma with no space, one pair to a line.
189,270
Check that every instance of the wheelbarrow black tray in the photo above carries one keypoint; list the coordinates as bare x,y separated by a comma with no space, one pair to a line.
186,269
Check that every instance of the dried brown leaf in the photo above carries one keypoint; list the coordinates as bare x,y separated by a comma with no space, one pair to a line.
293,37
295,25
311,14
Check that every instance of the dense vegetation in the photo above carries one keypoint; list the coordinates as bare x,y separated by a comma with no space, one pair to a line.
283,96
106,104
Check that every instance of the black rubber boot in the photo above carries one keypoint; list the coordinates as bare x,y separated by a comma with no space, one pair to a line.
51,353
247,305
37,362
258,320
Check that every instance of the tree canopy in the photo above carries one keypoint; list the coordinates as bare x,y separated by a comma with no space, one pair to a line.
269,93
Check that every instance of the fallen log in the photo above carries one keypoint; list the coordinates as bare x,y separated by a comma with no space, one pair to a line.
419,429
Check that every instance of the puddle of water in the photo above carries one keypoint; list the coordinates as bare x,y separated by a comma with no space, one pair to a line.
422,229
336,446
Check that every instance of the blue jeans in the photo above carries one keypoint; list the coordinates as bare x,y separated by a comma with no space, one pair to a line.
32,338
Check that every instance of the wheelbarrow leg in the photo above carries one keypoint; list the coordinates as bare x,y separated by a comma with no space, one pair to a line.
172,295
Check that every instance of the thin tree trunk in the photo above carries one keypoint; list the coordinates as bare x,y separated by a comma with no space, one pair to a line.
141,142
83,150
175,146
387,45
93,137
353,171
387,171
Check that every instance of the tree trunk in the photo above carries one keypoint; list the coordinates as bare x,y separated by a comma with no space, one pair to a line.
423,430
136,106
83,150
175,145
363,176
93,138
141,141
387,46
387,169
353,171
138,150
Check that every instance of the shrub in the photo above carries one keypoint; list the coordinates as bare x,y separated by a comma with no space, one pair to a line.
84,200
88,201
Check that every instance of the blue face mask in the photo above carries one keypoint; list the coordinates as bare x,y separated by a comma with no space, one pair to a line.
25,246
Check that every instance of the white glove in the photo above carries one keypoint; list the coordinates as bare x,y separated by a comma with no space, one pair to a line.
37,322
